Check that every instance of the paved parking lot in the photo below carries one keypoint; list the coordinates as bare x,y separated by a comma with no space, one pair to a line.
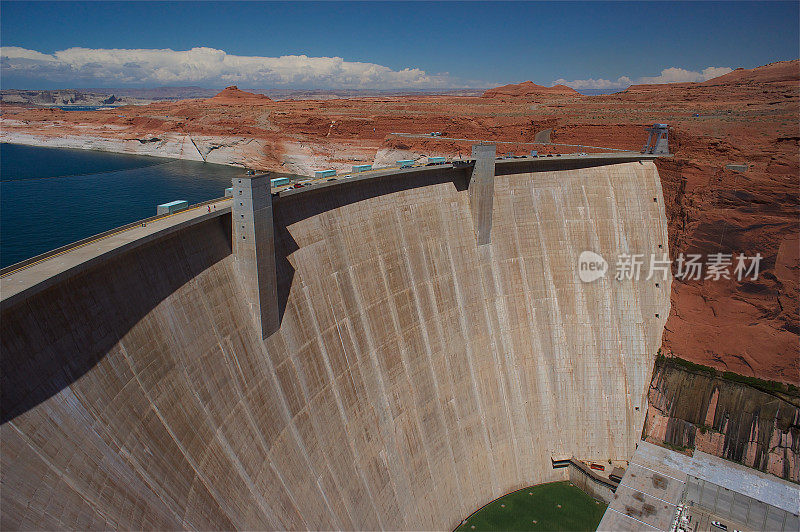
712,502
663,489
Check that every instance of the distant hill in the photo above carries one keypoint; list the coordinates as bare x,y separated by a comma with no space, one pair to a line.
95,96
159,93
529,89
233,94
68,98
103,96
773,72
598,92
329,94
780,72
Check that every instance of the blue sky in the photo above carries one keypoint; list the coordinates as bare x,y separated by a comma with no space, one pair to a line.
386,44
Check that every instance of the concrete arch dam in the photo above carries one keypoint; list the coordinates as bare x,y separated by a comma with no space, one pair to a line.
415,374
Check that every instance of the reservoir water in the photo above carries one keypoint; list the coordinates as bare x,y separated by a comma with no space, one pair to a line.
50,197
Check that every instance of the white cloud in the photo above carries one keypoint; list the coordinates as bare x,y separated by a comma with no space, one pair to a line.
15,52
668,75
680,75
620,82
210,66
715,72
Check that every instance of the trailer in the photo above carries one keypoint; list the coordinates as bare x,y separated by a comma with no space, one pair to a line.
436,160
279,181
405,163
324,173
361,168
172,207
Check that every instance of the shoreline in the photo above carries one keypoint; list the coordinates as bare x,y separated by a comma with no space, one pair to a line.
163,158
235,151
300,158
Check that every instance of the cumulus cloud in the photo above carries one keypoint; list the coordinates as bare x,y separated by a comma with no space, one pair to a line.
680,75
22,54
668,75
209,66
620,82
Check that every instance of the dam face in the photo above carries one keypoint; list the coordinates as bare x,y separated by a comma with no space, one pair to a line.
414,377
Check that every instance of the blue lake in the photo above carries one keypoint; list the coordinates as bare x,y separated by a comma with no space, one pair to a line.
82,107
50,197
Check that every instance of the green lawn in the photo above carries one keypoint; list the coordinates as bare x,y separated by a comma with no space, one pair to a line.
536,508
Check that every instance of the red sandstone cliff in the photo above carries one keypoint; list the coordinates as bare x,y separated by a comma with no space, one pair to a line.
748,117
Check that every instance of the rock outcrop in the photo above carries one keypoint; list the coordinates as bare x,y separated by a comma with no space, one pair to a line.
529,90
232,95
698,409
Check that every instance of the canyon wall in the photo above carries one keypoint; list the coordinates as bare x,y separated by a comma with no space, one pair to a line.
700,409
415,376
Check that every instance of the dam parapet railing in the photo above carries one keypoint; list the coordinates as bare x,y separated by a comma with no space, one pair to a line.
503,166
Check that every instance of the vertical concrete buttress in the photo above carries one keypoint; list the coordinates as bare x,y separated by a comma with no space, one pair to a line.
254,248
481,191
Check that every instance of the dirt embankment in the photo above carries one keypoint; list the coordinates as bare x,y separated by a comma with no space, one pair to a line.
745,117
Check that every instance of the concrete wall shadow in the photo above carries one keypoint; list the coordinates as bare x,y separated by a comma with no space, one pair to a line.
290,209
39,359
552,164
